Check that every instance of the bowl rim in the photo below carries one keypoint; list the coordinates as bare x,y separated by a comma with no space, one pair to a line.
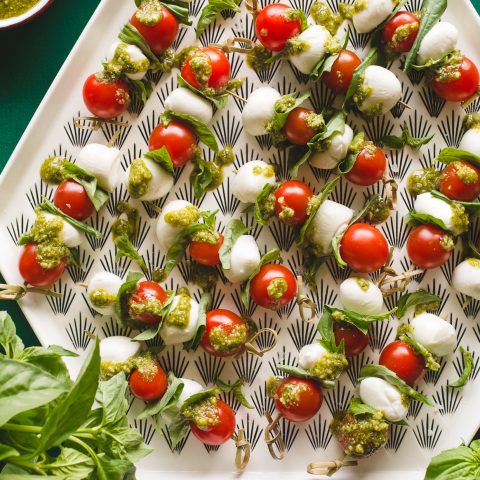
25,17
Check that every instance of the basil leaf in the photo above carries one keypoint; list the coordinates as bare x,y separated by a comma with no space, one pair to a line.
120,306
263,209
325,329
71,464
9,341
336,240
430,360
153,331
177,430
219,101
326,63
236,389
448,155
393,142
205,303
199,397
415,299
234,230
212,9
302,373
349,162
472,207
397,143
179,10
162,158
204,177
413,219
467,369
139,89
298,155
357,407
129,34
125,248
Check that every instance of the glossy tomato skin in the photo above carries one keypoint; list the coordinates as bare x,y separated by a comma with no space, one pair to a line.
310,399
369,167
273,29
364,248
296,127
178,138
147,290
206,253
428,246
33,273
401,19
339,77
454,187
354,340
401,359
71,198
293,195
105,99
218,434
259,287
462,88
148,388
160,36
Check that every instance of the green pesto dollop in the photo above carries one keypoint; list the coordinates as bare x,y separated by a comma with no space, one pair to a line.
183,217
290,395
125,224
100,297
50,254
203,276
296,46
122,62
423,181
206,236
180,315
284,103
460,218
291,15
150,305
268,171
234,84
149,13
474,262
138,178
378,212
15,8
227,341
449,70
347,10
323,15
471,120
202,68
257,57
225,156
276,288
330,366
204,413
272,385
363,283
286,213
52,169
402,33
447,242
465,172
315,121
143,362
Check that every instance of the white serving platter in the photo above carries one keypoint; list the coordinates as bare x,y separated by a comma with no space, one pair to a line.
64,321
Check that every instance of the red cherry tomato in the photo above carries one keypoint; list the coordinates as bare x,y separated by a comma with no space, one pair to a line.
71,198
274,26
296,127
160,36
219,65
205,253
148,387
460,181
33,273
428,246
105,99
146,291
220,433
354,340
396,40
273,286
298,399
179,140
291,202
227,324
402,360
368,168
459,89
364,248
339,77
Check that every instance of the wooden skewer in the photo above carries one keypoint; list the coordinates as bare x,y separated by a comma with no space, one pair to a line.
391,189
252,7
405,105
229,45
330,468
16,292
238,97
250,348
94,123
273,437
305,303
243,450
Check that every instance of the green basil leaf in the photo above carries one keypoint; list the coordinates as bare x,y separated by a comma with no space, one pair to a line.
325,329
349,162
298,155
472,207
236,389
205,302
357,407
111,396
204,176
311,265
72,463
276,57
212,9
129,34
414,219
431,363
448,155
139,90
234,230
125,248
9,341
179,10
199,397
302,373
263,209
177,430
154,330
397,143
467,369
162,158
6,452
393,142
218,100
120,306
415,299
27,476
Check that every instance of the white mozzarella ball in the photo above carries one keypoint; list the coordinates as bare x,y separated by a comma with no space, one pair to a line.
166,233
372,15
69,235
361,295
336,151
331,218
379,394
190,388
438,42
118,349
171,334
182,100
309,355
435,334
132,54
317,38
250,179
103,163
466,278
259,110
106,282
159,185
244,259
385,90
471,141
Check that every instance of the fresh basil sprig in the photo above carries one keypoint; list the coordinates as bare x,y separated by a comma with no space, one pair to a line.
449,155
234,230
205,302
140,90
302,373
212,9
414,219
415,299
406,139
205,176
219,101
327,336
467,369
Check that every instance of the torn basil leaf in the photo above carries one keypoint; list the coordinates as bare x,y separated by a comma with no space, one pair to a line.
420,298
467,369
234,230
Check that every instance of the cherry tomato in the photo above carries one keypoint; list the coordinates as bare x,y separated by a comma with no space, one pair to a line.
402,360
105,99
219,64
298,399
368,168
160,36
220,433
460,181
428,246
274,26
460,89
291,202
354,340
340,75
364,248
179,140
33,273
296,128
399,41
228,326
148,386
273,286
71,198
146,291
205,253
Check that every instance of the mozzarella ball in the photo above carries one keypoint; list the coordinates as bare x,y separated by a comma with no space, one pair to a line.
118,349
435,334
103,163
438,42
135,63
69,235
259,110
182,100
309,355
250,179
361,295
172,334
159,185
166,232
317,38
103,283
466,278
336,151
331,218
372,15
385,90
471,141
244,259
379,394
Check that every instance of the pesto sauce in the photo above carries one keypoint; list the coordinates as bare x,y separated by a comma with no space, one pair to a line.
347,10
102,298
402,33
52,170
267,171
471,120
296,46
203,276
363,283
125,226
286,213
15,8
138,178
423,181
257,57
330,366
474,262
276,288
290,393
465,172
323,15
149,13
179,316
460,218
200,64
204,413
224,342
183,217
149,305
449,70
143,362
378,212
122,63
225,156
